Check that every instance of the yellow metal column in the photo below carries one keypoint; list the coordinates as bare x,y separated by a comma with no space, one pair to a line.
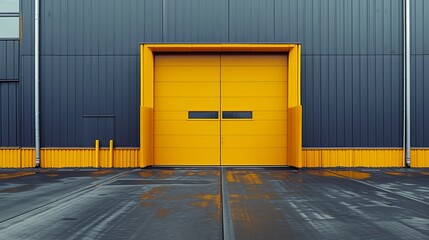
294,125
111,153
97,154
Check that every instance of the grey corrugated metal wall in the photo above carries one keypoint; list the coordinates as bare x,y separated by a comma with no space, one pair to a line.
9,93
9,60
27,73
351,65
420,73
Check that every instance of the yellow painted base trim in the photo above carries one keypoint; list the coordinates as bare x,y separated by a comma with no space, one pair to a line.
129,158
420,158
17,158
70,158
353,157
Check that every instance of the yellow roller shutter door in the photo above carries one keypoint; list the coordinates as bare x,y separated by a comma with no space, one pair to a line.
248,94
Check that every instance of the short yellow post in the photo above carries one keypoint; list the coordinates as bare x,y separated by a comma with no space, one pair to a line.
111,153
97,154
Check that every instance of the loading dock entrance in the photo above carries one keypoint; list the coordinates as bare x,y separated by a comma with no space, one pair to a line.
220,105
220,109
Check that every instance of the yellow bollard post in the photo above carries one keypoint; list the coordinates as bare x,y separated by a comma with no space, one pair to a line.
111,153
97,154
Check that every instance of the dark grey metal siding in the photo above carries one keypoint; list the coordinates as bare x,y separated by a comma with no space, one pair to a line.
27,73
9,114
351,70
9,60
194,21
89,72
351,65
420,73
9,93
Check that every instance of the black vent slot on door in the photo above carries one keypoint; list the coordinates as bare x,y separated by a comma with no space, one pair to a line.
237,114
203,115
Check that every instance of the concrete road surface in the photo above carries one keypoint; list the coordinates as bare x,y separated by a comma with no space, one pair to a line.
214,203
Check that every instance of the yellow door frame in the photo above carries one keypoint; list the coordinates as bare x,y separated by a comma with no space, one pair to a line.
294,122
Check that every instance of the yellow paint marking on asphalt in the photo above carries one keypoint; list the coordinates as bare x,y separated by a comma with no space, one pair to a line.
230,177
146,174
395,173
101,173
165,174
198,173
252,178
206,200
353,174
15,174
52,175
341,174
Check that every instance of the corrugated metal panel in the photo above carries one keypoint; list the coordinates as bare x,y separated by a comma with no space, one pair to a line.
339,26
9,60
419,74
351,77
419,31
251,21
352,100
101,128
27,22
110,27
195,21
3,59
28,157
27,98
9,114
352,158
89,65
27,73
351,88
420,100
151,22
58,158
9,110
289,15
9,93
17,158
420,158
10,158
125,158
119,158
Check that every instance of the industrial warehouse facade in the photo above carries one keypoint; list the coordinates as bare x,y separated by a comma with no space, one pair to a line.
133,83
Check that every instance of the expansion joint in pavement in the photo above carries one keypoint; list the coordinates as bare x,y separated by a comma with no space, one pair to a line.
227,225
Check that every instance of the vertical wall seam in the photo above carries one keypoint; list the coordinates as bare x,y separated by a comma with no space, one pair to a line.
274,20
163,29
18,94
228,20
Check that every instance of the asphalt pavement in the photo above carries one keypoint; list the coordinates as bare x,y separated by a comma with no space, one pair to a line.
214,203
